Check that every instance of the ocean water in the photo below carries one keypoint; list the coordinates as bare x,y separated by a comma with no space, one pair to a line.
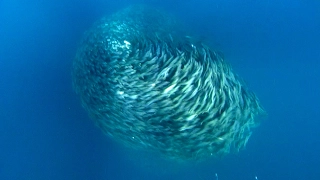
46,134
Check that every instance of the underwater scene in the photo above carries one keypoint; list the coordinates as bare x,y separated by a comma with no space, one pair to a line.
150,89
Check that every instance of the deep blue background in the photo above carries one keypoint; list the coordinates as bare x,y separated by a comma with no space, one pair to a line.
45,134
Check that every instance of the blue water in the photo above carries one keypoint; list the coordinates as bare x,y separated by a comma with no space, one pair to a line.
45,133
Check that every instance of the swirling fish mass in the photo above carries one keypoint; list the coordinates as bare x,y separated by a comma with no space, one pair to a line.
148,85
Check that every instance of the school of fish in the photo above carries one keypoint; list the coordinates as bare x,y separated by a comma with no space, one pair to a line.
148,85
